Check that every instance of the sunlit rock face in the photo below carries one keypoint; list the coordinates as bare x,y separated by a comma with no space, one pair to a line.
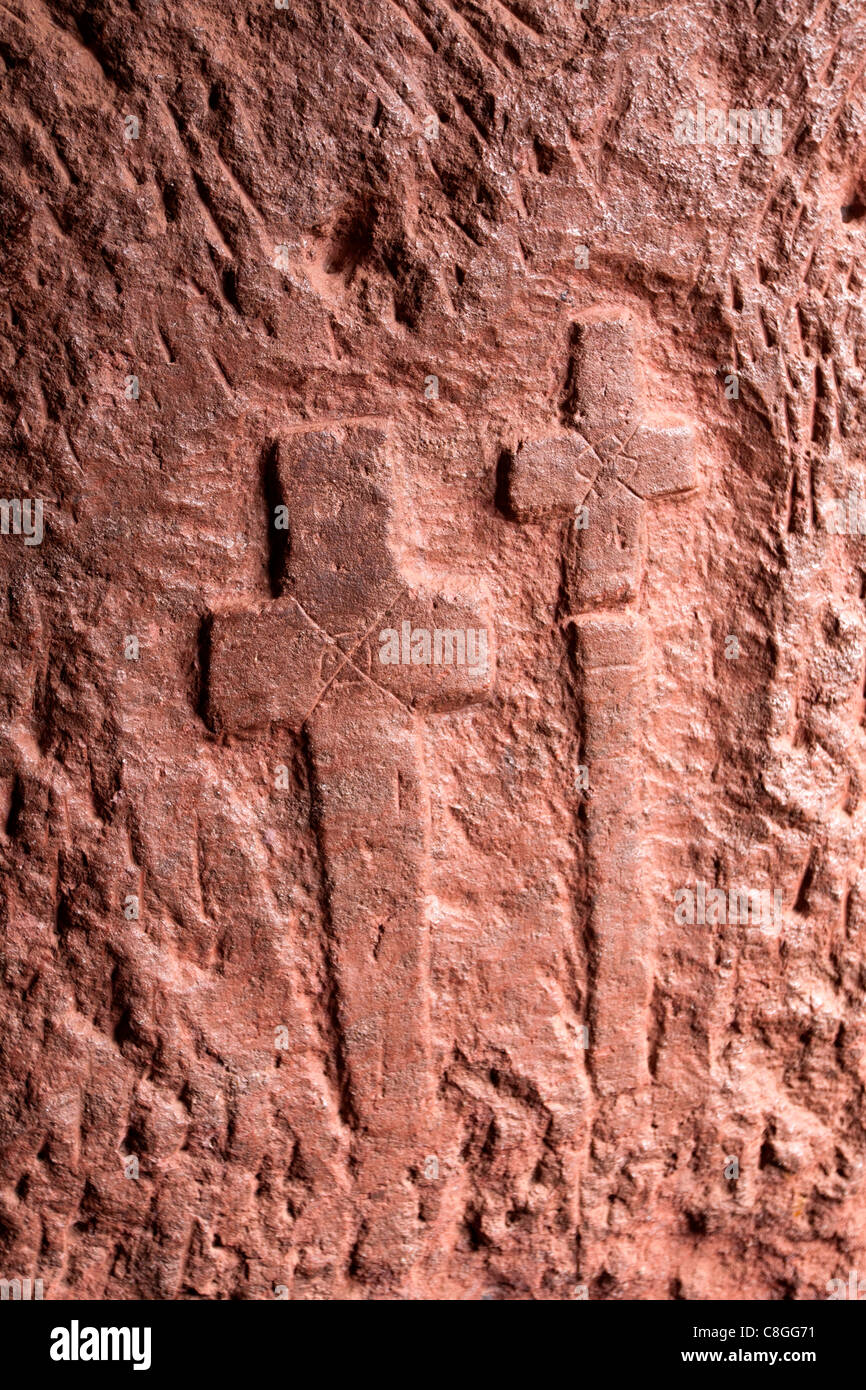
432,749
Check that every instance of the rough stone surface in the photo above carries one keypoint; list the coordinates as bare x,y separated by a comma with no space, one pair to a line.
334,337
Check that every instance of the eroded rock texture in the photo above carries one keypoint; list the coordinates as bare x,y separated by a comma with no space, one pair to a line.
448,600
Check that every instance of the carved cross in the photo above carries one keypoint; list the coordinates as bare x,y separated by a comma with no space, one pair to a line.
611,463
320,659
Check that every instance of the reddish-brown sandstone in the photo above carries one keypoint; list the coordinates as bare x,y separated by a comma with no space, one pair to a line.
329,972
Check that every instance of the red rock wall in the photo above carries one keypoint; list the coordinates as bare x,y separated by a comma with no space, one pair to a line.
331,970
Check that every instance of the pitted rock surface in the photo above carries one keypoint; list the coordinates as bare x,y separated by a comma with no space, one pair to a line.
446,423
